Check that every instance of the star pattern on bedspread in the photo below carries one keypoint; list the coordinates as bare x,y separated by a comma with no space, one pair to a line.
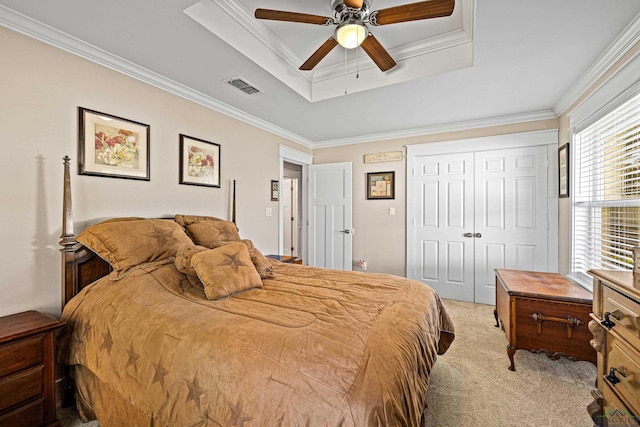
238,418
233,261
133,357
195,391
160,372
107,342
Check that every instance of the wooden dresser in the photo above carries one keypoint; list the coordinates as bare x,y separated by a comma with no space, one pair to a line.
543,312
616,337
27,363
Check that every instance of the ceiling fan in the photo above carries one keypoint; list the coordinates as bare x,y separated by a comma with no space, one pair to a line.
351,17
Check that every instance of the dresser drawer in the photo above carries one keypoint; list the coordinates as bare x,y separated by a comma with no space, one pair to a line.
21,387
625,313
614,412
28,415
21,354
626,361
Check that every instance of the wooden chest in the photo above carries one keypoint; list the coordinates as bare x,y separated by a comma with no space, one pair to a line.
543,312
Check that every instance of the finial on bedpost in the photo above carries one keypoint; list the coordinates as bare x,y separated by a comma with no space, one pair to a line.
68,238
233,206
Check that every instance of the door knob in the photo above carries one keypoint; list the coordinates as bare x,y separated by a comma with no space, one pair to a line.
468,234
347,231
478,235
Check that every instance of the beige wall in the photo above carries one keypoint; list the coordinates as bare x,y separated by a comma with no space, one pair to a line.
42,88
379,237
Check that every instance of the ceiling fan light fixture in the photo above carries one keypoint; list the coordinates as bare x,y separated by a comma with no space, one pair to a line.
351,34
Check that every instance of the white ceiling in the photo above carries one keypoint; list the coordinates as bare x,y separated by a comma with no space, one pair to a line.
526,59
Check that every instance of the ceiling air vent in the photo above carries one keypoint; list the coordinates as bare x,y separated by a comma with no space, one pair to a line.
243,85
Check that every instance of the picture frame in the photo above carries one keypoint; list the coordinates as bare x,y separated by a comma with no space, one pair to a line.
112,146
199,162
381,185
563,171
275,190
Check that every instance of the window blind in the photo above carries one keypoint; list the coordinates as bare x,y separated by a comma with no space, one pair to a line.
606,192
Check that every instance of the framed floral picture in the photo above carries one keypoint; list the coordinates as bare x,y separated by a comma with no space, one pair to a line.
199,162
381,185
111,146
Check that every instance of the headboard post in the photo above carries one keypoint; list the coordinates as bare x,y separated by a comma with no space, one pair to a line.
233,209
68,239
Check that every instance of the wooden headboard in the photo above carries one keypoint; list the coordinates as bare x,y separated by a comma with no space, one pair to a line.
81,266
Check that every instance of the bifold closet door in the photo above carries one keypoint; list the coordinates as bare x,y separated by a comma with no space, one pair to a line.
473,213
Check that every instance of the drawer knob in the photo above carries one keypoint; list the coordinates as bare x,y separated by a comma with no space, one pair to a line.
612,376
607,322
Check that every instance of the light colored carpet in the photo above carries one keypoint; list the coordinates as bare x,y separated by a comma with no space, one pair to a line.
472,387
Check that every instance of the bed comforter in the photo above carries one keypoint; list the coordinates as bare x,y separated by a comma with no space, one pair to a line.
312,347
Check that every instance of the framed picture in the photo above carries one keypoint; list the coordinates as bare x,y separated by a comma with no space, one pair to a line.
112,146
563,171
274,190
199,162
381,185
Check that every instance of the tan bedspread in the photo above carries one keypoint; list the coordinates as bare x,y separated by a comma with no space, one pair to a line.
312,347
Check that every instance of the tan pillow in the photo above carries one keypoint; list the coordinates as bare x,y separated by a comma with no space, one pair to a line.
128,243
183,262
263,265
226,271
185,220
204,230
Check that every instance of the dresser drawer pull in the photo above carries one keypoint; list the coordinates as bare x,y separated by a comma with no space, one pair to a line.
612,375
607,323
570,321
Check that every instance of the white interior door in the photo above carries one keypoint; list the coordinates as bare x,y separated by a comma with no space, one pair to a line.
330,216
442,223
511,221
471,213
287,213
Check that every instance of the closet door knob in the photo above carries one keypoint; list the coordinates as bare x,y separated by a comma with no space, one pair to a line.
468,235
478,235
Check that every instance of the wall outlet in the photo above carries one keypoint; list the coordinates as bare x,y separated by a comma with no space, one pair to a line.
267,212
363,265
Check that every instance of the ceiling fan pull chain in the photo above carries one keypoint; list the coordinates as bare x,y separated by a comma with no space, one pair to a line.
357,66
345,71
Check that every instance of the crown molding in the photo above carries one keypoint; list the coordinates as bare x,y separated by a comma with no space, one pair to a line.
46,34
628,38
435,129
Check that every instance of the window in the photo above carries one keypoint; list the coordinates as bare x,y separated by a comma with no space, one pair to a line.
606,194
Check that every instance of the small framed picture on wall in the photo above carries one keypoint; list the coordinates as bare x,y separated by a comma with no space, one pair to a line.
199,162
563,171
380,185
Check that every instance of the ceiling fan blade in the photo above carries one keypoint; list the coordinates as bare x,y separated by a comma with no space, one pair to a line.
356,4
414,11
319,54
280,15
379,54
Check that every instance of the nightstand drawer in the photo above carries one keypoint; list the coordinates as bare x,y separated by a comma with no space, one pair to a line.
28,415
21,355
625,313
21,387
626,362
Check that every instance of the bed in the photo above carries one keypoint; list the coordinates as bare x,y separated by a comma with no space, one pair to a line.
181,322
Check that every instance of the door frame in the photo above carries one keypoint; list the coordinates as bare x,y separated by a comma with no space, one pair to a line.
290,155
548,138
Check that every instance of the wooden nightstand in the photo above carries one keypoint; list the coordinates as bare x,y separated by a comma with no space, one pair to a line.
27,349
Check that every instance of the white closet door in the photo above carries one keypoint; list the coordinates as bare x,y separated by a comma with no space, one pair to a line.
442,224
471,213
510,214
